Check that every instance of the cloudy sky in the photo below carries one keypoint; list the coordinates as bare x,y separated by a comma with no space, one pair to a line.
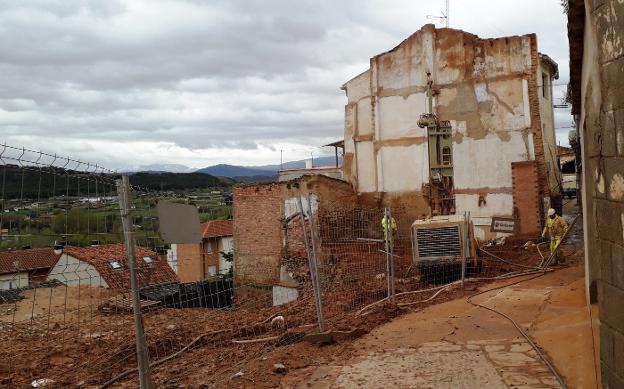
133,83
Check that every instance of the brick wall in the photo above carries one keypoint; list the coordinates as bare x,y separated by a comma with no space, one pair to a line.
262,234
602,129
536,123
526,197
258,212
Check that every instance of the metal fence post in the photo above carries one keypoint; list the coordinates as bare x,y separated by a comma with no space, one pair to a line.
466,247
123,191
392,237
315,262
311,265
386,226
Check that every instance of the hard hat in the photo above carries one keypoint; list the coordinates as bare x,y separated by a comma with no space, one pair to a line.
551,212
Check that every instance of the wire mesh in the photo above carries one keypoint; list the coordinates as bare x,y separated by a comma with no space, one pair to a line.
67,318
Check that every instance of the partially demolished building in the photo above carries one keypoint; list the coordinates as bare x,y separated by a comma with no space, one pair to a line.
444,123
487,133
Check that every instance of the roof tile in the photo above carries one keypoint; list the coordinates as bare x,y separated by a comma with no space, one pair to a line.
100,257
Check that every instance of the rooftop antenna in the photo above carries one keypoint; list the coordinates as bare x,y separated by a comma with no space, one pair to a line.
444,16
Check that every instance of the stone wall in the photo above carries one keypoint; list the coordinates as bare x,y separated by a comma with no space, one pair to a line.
601,121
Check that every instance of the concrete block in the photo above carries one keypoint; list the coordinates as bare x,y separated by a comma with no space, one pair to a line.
608,145
608,220
610,380
618,353
619,131
611,304
613,93
606,345
617,265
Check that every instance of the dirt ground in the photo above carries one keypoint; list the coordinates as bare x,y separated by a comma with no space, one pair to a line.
397,346
417,349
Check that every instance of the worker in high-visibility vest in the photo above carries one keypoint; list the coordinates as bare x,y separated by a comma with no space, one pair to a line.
389,230
555,227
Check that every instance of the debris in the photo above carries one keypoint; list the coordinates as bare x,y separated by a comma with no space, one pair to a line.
239,374
41,382
380,276
279,368
528,245
278,322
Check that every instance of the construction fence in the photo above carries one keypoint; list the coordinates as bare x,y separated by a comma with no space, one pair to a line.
68,319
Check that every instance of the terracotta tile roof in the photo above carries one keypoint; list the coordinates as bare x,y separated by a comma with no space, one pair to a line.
156,272
217,228
26,260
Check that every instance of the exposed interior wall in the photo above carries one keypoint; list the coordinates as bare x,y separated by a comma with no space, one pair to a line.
602,127
486,88
74,272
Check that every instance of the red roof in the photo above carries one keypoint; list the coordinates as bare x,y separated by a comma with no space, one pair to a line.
217,229
26,260
155,272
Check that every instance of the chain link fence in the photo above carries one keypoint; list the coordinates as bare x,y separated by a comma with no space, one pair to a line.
66,301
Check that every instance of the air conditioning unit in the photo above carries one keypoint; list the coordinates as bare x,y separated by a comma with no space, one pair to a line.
439,246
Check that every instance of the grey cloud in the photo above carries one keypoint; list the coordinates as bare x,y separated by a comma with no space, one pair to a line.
208,75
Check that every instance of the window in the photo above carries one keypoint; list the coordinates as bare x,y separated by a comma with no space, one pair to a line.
116,265
148,260
545,85
447,156
209,247
212,271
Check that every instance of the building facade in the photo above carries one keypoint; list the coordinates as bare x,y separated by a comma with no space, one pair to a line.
595,31
494,99
199,261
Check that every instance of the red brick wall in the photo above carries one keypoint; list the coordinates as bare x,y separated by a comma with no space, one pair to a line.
526,196
257,232
261,236
536,122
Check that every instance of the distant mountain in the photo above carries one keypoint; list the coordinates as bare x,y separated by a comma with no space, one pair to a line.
231,171
177,181
264,172
159,168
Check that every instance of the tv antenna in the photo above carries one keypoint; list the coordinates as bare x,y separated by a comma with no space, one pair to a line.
444,16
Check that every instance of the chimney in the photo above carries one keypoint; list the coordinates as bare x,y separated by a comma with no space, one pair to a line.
58,249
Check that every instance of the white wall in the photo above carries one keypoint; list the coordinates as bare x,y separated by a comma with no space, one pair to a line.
284,295
172,257
226,244
73,272
14,280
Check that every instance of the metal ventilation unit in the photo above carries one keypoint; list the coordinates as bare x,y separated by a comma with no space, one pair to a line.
440,238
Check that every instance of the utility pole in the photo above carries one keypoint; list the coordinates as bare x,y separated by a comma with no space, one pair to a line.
123,191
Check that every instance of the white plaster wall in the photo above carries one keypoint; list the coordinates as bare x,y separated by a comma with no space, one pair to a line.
364,117
226,244
405,168
291,205
358,87
398,116
74,272
283,295
13,281
486,163
497,204
172,258
365,153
